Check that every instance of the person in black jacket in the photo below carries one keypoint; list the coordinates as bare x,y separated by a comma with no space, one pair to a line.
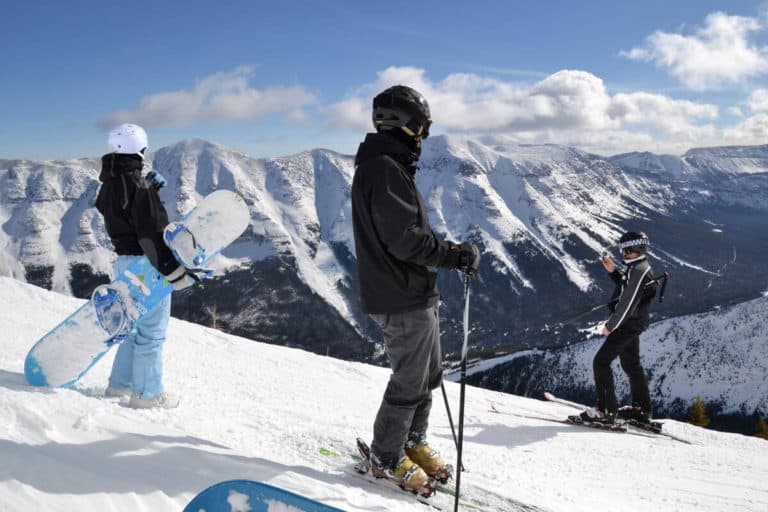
629,318
397,260
135,218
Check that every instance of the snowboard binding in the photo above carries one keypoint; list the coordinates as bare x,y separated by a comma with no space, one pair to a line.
185,247
112,313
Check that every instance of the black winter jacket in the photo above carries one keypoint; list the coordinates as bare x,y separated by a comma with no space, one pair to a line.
397,252
133,213
632,311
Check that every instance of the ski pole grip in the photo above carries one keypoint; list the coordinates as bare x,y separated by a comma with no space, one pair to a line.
663,286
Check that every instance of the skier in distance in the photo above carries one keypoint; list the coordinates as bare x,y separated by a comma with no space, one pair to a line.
629,318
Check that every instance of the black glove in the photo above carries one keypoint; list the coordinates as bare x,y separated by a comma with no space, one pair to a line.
464,257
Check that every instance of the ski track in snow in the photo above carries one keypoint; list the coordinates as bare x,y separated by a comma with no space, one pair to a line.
262,412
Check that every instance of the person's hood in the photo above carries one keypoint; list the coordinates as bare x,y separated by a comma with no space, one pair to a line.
377,144
115,164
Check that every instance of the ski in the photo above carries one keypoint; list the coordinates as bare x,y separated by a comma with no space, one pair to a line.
621,428
638,432
654,427
364,466
552,398
444,495
617,426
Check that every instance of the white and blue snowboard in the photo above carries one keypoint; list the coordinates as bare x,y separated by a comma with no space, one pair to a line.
70,349
244,495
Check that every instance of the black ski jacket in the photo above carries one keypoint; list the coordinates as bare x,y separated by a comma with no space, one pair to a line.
397,252
632,311
133,213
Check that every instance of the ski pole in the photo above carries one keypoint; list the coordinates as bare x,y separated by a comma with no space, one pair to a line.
464,350
662,278
450,419
527,332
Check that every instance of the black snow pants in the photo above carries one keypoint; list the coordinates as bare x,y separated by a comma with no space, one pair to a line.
624,344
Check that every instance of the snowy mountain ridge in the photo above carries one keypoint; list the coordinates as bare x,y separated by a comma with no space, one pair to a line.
261,412
300,203
541,214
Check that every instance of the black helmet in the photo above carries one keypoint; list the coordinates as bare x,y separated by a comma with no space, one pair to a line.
636,241
402,107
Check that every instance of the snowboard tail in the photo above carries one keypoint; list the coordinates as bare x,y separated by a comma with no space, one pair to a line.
253,496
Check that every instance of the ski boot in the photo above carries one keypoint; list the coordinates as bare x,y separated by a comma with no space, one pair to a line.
635,416
597,419
405,473
430,460
630,412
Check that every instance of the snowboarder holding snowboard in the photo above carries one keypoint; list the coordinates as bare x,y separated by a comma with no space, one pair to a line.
135,218
397,260
629,318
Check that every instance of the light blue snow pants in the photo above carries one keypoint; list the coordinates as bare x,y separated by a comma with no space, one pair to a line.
139,360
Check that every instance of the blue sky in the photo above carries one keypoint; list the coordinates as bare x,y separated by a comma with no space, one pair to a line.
275,78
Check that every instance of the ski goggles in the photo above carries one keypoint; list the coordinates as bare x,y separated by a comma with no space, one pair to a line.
623,246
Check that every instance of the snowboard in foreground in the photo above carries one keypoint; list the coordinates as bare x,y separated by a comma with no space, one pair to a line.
246,495
69,350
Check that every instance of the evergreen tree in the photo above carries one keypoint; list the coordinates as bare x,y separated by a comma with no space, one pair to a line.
698,414
762,428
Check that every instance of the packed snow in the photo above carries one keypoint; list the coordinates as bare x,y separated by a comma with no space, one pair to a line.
262,412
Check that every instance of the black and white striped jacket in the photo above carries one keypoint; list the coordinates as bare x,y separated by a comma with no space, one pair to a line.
634,295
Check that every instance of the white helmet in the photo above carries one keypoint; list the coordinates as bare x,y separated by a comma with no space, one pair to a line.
128,139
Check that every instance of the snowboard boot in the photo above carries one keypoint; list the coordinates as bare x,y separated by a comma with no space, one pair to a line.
430,460
405,473
162,401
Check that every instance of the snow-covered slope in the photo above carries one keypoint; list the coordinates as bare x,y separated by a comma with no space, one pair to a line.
261,412
720,356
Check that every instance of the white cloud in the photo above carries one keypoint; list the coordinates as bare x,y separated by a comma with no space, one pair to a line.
717,54
570,107
753,130
352,114
758,100
221,97
667,115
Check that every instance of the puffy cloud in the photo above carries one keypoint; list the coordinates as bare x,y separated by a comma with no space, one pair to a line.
568,107
758,100
753,130
717,54
663,113
352,114
221,97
